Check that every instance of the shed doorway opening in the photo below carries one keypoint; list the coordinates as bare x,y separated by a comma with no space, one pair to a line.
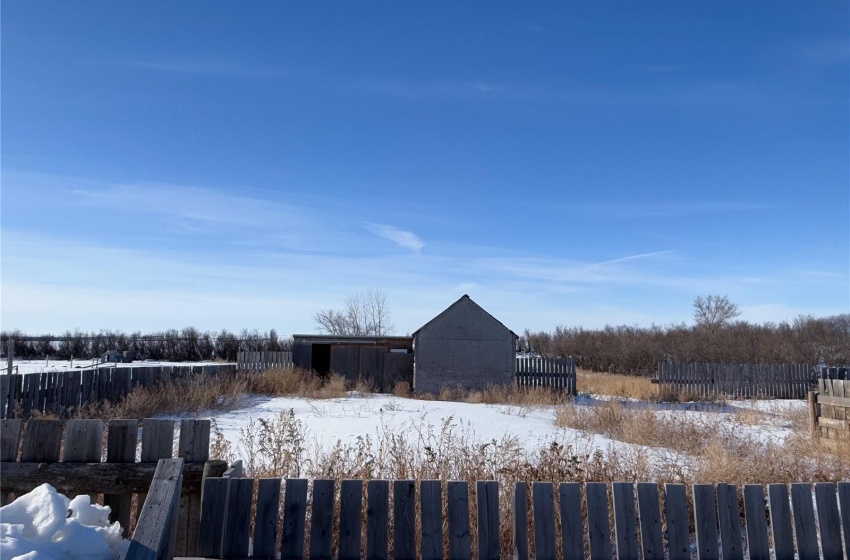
321,358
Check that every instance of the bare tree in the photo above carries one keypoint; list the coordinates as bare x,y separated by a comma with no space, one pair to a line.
364,314
714,311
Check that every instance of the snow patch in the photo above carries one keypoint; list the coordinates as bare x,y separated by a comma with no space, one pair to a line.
45,525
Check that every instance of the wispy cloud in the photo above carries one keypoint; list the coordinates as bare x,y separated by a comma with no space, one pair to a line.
193,205
208,67
635,257
672,209
424,89
819,53
404,239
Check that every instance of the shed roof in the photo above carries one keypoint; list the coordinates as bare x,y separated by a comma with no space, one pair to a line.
446,310
348,339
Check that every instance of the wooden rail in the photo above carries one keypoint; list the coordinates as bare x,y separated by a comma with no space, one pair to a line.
58,392
156,530
829,409
642,528
782,381
261,361
30,455
558,374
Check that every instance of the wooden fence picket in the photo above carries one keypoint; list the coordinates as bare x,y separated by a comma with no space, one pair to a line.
787,381
635,509
558,374
59,392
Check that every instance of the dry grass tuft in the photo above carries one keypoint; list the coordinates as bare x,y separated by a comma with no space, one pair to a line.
616,385
402,389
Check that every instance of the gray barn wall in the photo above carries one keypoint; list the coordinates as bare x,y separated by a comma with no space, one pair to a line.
465,346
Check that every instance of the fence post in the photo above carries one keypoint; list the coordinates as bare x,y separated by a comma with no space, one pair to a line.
813,413
10,355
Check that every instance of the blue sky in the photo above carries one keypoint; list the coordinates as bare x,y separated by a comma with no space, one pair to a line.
230,165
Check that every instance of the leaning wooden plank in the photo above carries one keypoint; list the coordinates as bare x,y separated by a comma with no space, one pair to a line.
41,441
844,504
460,542
829,521
625,521
213,510
350,520
488,520
265,522
729,518
756,515
804,521
322,520
520,521
431,504
780,521
572,527
154,536
377,520
294,519
650,521
193,447
678,522
237,525
542,495
404,520
598,527
705,522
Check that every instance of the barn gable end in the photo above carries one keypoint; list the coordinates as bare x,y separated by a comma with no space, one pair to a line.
464,346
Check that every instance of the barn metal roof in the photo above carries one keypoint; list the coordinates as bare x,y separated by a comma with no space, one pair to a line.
455,303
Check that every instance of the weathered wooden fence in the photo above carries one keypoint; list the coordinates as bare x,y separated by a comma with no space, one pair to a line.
829,408
642,528
58,391
782,381
551,373
30,456
833,372
261,361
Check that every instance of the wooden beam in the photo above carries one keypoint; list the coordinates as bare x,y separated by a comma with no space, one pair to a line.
84,478
834,401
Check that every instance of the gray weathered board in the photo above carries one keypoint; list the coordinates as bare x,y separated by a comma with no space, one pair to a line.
642,528
781,381
832,409
58,392
558,374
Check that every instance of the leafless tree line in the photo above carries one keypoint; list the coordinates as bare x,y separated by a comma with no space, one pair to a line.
188,344
637,350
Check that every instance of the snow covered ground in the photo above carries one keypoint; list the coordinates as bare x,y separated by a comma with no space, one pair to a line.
345,419
40,366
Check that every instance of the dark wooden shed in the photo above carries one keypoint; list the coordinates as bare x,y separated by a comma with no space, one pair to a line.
382,361
464,346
